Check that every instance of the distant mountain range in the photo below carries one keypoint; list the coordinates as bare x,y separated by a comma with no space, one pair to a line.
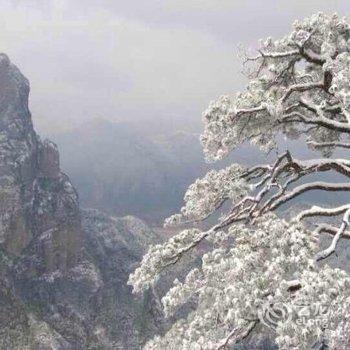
118,168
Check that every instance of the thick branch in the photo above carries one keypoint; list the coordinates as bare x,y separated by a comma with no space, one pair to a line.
318,211
331,249
320,118
328,144
319,185
302,88
331,230
237,335
311,56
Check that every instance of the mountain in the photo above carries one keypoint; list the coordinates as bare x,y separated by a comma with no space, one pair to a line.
122,169
63,271
116,168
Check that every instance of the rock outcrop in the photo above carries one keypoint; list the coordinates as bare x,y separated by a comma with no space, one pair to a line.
63,272
37,200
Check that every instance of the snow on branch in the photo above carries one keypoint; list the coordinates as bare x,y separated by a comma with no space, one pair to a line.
207,194
328,144
255,261
331,249
263,109
319,211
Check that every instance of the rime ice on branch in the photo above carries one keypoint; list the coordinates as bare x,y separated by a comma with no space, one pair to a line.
300,87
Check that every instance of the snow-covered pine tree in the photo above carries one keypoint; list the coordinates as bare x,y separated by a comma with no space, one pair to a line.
299,86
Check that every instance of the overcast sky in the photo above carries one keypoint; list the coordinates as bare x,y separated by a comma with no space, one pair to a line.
137,59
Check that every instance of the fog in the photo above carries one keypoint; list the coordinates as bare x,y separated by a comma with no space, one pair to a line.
139,61
121,85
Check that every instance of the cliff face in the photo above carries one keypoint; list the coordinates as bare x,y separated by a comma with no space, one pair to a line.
38,203
63,273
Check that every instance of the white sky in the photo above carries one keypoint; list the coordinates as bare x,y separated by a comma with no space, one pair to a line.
137,60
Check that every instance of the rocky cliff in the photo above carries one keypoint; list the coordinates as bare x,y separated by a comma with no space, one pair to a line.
63,272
